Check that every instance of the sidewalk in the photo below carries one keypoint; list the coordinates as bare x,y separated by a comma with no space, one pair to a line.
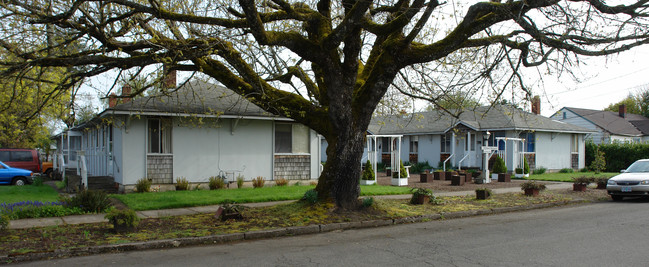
98,218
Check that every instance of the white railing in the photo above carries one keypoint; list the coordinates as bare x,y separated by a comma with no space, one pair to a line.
84,171
459,164
447,159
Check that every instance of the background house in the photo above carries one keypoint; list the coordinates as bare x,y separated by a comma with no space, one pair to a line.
197,131
608,126
436,136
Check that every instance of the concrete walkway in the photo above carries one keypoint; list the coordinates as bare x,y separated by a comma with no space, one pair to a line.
99,218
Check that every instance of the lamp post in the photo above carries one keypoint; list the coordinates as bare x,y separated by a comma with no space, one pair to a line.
486,150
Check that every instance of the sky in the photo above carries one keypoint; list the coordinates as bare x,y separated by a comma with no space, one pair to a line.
603,81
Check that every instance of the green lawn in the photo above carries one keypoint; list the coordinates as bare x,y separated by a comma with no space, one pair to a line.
567,177
178,199
12,193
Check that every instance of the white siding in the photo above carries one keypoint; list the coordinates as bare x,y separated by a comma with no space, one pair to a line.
570,117
118,155
133,145
200,153
429,147
553,150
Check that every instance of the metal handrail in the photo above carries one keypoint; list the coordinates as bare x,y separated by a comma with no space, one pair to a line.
449,157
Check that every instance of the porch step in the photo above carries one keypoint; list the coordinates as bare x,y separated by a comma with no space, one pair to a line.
104,183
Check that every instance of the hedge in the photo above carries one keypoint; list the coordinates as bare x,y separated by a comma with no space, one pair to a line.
618,155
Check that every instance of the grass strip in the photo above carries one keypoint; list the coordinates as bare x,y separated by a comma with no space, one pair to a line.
12,193
179,199
567,177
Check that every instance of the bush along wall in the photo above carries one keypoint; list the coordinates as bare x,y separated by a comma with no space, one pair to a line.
618,155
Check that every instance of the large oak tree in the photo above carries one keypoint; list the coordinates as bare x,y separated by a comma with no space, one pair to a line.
326,63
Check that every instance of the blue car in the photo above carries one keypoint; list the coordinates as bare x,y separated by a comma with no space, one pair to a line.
15,176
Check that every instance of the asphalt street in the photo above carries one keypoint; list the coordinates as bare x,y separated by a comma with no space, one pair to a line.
600,234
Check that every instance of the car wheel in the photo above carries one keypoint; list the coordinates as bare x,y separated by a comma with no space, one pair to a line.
48,173
20,181
617,198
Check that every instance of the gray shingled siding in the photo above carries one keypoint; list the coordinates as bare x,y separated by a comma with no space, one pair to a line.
292,167
160,169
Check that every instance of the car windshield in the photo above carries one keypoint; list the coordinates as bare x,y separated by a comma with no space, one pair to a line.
639,166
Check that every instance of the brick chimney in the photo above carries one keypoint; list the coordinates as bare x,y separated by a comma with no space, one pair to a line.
622,111
112,100
126,93
169,79
536,105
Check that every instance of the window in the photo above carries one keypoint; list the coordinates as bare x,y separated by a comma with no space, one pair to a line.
473,142
24,156
530,140
574,143
13,156
414,144
564,115
385,145
446,143
159,136
291,138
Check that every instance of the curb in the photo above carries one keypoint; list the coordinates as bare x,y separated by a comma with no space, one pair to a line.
265,234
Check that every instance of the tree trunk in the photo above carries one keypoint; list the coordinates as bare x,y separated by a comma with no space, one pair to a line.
339,181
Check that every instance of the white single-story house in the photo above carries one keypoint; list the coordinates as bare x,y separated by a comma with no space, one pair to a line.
198,131
511,133
608,127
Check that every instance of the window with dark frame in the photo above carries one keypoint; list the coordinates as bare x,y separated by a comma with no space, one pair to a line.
445,143
159,136
530,141
414,144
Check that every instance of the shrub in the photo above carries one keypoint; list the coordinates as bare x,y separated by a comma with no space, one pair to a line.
532,185
122,218
182,184
216,183
367,202
90,201
231,210
566,170
38,181
4,221
368,172
416,192
143,185
37,209
540,170
526,166
583,170
584,180
601,181
258,182
483,189
240,181
281,182
420,167
499,166
311,196
599,163
440,165
518,171
402,170
380,167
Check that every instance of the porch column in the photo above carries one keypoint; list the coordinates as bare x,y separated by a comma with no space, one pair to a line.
453,148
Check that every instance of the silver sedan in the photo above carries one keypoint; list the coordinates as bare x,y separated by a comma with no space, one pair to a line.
634,181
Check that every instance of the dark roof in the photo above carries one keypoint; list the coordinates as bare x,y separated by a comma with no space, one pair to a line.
499,117
195,97
631,125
